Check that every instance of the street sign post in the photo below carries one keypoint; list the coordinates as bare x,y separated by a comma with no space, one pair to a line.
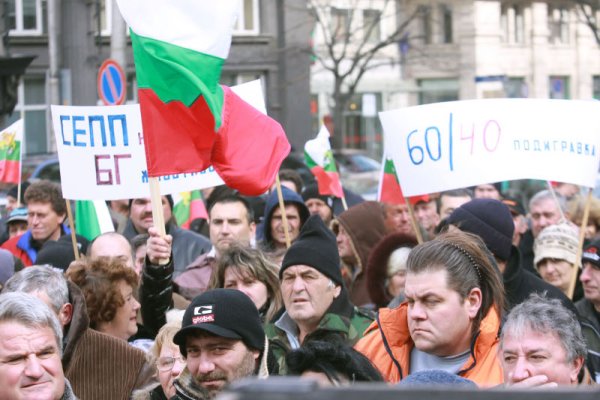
112,87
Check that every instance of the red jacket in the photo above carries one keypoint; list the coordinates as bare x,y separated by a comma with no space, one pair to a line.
19,247
483,367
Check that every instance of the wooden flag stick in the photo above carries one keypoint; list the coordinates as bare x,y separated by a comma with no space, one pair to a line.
284,221
72,227
413,221
158,217
584,221
344,204
19,194
560,210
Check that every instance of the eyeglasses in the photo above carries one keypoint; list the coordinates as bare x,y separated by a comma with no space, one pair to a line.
166,363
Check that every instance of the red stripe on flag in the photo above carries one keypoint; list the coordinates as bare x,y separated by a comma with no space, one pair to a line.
177,139
10,171
390,190
328,182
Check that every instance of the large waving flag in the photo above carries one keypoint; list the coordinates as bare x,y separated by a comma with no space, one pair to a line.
187,207
10,153
319,159
92,218
189,120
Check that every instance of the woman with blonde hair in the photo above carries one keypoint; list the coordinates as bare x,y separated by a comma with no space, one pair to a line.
165,356
248,270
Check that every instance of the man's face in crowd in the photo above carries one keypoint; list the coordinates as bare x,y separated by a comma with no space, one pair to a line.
112,245
307,294
319,207
228,224
397,218
534,353
30,364
344,245
139,259
590,280
543,213
11,203
141,213
426,214
216,361
450,203
277,228
439,321
486,191
556,272
43,221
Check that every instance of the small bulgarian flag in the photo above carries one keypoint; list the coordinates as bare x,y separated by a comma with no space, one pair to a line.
389,186
191,122
187,207
319,159
92,218
10,153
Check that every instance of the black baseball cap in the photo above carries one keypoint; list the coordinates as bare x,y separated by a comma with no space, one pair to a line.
226,313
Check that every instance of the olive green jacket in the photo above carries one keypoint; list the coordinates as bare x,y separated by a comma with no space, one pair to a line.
348,328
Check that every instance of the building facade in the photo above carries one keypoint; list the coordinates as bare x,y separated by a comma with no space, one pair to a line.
71,39
463,49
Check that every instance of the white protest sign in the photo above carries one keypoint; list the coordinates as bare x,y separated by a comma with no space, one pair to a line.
458,144
101,152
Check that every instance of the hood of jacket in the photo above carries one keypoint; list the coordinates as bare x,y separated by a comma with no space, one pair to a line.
289,197
364,224
377,274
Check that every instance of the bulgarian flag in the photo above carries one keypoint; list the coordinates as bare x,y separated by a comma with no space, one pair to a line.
191,122
319,159
92,218
389,186
10,153
187,207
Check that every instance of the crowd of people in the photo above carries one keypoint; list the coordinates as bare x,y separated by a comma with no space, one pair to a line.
489,294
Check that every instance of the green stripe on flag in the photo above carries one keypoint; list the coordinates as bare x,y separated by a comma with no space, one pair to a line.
177,73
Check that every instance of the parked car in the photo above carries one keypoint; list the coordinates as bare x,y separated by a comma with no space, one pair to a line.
41,166
359,172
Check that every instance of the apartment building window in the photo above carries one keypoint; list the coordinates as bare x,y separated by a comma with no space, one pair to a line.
438,90
559,87
341,19
515,87
513,23
247,23
558,24
426,23
27,17
31,106
372,25
446,19
596,87
237,78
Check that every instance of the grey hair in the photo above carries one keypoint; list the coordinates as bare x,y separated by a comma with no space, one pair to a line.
547,316
30,311
547,195
41,278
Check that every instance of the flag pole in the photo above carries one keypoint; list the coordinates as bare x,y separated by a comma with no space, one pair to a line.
344,204
584,221
158,217
72,227
413,220
560,210
20,171
284,220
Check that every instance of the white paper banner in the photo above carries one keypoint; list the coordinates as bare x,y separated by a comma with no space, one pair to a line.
458,144
101,152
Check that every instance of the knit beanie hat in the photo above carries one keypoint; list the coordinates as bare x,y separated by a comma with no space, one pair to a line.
558,241
316,247
490,220
312,192
591,253
226,313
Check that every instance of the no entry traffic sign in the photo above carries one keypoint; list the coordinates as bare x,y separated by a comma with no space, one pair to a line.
112,87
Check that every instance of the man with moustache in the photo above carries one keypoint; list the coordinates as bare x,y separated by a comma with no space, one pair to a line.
222,340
